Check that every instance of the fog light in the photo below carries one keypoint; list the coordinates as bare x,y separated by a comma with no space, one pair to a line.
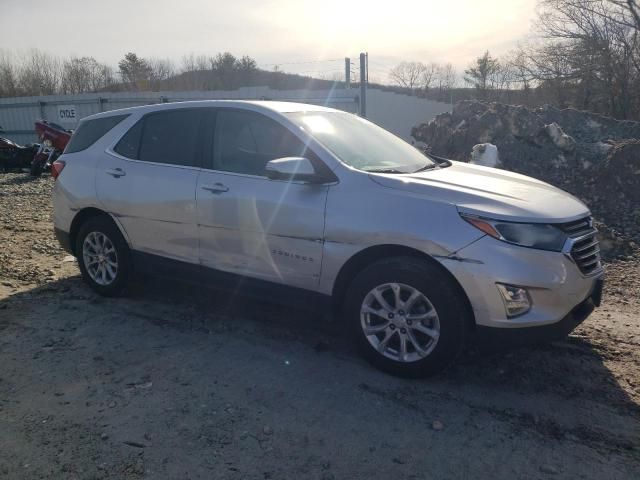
516,299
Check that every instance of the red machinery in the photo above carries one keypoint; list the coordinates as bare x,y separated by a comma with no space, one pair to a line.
54,139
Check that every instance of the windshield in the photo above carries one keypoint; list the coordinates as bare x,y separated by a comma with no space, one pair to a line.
361,144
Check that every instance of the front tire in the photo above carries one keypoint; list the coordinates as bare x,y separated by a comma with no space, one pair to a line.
103,256
406,316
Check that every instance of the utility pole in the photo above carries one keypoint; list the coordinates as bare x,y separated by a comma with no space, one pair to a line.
347,72
367,60
363,85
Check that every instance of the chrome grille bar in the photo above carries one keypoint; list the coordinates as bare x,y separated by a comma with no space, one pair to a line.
585,249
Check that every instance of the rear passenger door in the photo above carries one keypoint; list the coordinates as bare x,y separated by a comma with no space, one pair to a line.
148,180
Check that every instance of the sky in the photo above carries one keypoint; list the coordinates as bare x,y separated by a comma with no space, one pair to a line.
278,32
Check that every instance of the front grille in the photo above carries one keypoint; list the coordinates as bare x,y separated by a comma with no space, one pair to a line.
585,250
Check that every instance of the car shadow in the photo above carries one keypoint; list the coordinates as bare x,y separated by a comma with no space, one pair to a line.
571,369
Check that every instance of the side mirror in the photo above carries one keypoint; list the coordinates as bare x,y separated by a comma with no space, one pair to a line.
293,168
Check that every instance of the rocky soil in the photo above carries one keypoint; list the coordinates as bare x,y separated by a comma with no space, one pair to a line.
173,382
594,157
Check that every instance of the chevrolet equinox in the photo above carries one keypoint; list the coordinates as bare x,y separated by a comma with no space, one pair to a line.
415,253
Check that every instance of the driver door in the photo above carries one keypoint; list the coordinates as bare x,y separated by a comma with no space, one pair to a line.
251,225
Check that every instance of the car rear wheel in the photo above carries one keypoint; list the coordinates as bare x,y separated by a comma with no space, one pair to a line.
103,256
406,316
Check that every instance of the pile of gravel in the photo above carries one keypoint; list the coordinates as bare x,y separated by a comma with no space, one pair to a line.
26,231
594,157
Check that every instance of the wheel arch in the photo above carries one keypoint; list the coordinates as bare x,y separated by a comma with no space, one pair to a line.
369,255
82,216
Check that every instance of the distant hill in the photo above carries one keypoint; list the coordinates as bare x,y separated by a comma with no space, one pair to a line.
232,80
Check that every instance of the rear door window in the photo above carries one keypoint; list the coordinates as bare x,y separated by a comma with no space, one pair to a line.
90,131
172,137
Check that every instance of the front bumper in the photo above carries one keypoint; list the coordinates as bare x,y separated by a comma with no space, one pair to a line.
554,283
501,337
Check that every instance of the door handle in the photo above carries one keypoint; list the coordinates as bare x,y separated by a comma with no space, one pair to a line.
216,188
116,172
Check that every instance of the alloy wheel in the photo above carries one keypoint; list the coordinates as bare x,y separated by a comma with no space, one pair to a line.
100,258
400,322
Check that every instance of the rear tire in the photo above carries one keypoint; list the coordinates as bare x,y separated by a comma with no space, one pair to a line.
36,168
103,256
406,316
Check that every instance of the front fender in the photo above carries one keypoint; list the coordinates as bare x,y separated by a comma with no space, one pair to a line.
361,214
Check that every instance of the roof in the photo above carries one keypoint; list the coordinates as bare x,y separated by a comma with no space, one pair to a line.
258,105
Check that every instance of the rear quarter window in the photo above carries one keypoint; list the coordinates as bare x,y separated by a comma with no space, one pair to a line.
90,131
129,144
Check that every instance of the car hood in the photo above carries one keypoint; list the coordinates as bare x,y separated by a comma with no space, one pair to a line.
490,192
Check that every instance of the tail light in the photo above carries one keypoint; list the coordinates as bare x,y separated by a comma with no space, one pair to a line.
56,168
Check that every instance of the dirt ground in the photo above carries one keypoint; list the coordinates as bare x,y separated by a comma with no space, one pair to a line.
174,382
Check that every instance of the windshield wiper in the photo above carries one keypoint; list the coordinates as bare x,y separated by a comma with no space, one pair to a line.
384,170
428,166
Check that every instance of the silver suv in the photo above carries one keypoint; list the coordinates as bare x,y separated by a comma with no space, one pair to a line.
416,253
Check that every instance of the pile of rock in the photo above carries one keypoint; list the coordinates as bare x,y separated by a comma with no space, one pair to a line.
594,157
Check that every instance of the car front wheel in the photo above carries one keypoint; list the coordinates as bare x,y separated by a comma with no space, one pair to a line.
406,316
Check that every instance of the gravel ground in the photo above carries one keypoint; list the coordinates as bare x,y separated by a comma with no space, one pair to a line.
176,383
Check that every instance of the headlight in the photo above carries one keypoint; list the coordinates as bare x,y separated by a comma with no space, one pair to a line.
533,235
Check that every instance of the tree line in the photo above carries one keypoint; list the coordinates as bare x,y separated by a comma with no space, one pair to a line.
581,53
39,73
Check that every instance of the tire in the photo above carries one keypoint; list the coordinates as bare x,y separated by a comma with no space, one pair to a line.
433,305
100,240
36,168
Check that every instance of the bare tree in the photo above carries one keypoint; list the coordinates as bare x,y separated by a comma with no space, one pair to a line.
194,71
85,74
39,73
599,67
105,77
161,71
631,9
194,63
8,75
409,75
447,77
430,76
623,12
518,60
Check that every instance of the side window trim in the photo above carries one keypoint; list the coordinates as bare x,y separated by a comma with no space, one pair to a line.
170,165
143,127
210,126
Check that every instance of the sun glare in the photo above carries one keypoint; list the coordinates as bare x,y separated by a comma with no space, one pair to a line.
427,26
318,124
